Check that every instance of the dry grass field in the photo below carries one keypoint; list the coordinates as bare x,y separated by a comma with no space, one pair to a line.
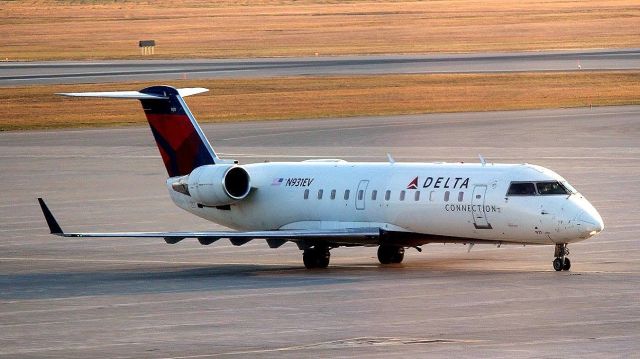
317,97
86,29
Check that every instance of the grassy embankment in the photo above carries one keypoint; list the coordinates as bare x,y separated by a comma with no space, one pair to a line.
101,29
316,97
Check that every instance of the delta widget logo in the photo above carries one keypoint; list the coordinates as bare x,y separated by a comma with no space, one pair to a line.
413,184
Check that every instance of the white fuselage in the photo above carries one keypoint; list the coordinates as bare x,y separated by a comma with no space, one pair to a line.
444,199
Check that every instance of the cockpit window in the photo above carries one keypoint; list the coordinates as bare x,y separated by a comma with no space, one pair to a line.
569,187
552,187
522,189
539,188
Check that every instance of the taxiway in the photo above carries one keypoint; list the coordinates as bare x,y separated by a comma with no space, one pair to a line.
124,298
57,72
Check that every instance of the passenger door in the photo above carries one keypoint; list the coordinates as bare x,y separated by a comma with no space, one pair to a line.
477,207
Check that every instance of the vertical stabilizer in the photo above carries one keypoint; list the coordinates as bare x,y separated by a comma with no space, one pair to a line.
181,142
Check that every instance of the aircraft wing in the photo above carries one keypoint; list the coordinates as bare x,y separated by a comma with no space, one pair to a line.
365,236
275,238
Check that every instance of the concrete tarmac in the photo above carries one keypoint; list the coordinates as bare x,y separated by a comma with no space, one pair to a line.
139,298
57,72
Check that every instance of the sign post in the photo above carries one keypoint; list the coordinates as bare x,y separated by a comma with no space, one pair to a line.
147,47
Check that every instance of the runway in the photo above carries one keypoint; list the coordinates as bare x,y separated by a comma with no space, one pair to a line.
29,73
127,298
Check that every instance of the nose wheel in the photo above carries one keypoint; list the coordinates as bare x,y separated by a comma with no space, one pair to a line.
561,262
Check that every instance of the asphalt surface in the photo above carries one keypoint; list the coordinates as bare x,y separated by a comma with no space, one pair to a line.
17,74
139,298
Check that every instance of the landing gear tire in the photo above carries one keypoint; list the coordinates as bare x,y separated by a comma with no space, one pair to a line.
561,262
316,258
557,264
390,254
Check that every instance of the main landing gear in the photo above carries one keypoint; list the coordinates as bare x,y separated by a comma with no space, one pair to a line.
316,257
561,262
390,254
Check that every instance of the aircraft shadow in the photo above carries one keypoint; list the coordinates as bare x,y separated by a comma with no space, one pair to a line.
150,281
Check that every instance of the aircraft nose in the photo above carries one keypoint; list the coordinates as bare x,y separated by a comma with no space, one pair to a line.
590,222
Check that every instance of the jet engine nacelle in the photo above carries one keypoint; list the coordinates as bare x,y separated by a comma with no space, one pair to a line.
218,185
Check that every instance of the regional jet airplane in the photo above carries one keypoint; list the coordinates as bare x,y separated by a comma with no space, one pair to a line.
324,204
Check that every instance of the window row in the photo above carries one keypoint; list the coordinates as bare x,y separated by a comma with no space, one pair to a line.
387,195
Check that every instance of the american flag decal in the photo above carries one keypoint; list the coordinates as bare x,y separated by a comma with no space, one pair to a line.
277,181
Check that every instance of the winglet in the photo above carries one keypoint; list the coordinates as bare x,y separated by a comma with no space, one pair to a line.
54,227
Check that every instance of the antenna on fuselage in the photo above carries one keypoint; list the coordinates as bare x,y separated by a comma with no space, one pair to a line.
390,158
482,160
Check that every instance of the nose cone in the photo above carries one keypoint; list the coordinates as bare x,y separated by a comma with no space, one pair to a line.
590,222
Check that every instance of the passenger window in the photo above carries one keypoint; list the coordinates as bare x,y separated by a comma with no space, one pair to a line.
432,196
460,196
320,194
374,195
387,195
521,189
446,196
333,194
360,195
417,196
346,194
306,194
402,195
549,188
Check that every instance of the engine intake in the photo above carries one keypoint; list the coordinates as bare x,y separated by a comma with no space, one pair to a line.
215,185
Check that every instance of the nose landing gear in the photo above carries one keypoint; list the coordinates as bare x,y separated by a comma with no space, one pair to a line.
561,262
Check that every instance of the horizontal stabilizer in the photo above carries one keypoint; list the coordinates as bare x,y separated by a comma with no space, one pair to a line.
191,91
137,95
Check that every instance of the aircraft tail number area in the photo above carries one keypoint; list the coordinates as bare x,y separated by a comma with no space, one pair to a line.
293,181
299,181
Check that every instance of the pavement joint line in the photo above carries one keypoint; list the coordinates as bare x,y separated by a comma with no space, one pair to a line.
560,340
329,345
